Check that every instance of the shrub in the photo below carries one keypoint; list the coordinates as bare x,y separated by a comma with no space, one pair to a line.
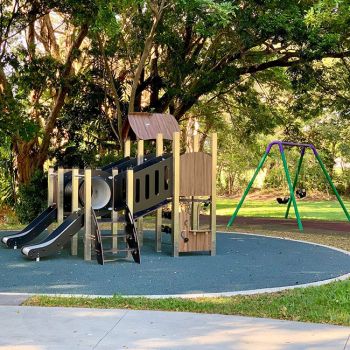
32,198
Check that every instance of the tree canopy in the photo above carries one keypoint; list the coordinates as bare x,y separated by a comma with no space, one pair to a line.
70,71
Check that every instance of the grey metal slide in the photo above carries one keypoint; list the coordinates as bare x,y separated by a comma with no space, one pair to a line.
38,225
57,239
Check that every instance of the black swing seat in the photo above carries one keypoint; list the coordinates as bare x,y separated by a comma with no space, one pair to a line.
300,192
166,229
282,200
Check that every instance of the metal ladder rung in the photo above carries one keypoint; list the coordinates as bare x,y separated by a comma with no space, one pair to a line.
104,221
114,236
112,260
117,250
111,254
110,221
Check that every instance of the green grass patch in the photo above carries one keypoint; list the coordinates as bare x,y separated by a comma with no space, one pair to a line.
324,304
320,210
329,210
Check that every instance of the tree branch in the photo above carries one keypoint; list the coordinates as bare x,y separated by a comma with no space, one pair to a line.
114,92
51,36
146,51
62,92
279,62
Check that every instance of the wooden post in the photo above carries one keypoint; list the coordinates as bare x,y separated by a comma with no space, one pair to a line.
88,213
214,151
127,153
114,225
127,148
140,157
140,151
50,190
195,205
130,196
175,232
158,238
75,206
50,186
196,143
60,195
130,190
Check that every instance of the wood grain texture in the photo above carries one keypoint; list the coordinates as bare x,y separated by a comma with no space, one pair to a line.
214,151
127,148
60,195
195,174
192,240
198,241
51,179
146,126
51,191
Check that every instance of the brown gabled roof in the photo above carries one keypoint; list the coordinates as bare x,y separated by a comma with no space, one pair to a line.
146,126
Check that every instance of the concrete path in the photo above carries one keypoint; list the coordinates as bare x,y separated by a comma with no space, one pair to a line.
12,299
33,328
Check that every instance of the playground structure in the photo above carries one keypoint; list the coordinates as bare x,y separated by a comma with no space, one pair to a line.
136,186
292,186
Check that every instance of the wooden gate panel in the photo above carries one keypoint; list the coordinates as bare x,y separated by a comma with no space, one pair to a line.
195,174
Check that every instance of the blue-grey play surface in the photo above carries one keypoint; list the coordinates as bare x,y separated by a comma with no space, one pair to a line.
243,262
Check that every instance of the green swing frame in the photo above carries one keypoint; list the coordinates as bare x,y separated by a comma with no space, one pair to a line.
281,145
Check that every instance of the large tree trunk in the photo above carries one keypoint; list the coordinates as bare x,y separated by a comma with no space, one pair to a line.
26,159
31,155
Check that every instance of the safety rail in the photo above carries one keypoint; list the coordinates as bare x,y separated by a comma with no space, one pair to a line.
152,185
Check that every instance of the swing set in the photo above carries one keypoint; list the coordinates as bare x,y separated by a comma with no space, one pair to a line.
292,186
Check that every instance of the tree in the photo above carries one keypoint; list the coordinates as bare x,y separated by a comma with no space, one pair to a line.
159,56
39,83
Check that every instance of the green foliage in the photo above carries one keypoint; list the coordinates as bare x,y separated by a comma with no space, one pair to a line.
7,186
78,11
32,198
107,19
212,15
6,190
84,123
341,180
40,71
235,159
311,176
248,70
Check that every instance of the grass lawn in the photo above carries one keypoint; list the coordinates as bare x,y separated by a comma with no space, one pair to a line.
325,304
321,210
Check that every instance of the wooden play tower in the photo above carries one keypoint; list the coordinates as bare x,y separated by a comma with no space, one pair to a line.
126,191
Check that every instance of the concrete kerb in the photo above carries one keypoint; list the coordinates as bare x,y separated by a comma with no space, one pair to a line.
209,295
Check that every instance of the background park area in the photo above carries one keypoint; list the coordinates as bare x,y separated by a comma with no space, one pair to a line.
71,72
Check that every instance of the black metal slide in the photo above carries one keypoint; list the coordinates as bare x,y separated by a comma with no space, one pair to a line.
33,230
57,239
